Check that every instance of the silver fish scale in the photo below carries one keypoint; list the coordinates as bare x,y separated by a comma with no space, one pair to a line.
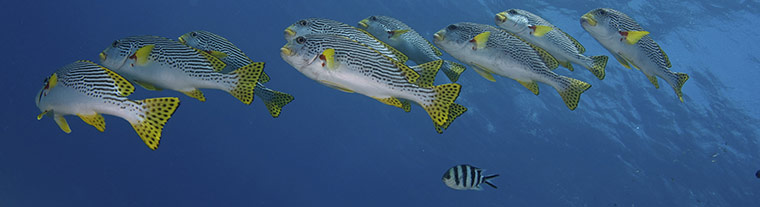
412,36
212,42
556,35
90,79
509,44
174,55
622,22
363,59
327,26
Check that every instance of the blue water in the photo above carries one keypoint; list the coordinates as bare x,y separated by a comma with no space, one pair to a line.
627,144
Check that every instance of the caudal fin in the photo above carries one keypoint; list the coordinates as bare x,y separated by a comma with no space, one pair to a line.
274,100
445,95
681,78
246,77
486,178
453,70
571,93
455,110
155,113
598,65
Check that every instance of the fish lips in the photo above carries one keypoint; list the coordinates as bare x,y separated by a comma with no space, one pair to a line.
440,35
588,19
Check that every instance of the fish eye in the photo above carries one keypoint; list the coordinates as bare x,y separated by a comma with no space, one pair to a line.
451,27
511,11
602,12
300,40
193,34
373,18
302,22
115,43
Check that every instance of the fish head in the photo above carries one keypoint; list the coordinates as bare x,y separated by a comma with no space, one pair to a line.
600,22
303,54
117,55
455,37
202,40
309,26
379,26
513,20
47,86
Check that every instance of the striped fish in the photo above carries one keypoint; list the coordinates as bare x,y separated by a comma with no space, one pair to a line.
632,46
402,37
466,177
159,63
88,90
536,30
328,26
349,66
490,50
233,57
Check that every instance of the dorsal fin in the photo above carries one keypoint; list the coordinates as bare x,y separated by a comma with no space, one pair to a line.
125,87
667,60
578,45
401,57
410,74
428,72
548,59
435,49
217,64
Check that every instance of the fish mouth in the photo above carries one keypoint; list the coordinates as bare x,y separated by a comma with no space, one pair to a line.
286,51
439,35
289,32
501,17
364,23
589,18
182,39
102,56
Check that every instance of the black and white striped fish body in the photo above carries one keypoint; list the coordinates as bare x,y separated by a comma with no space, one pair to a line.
632,46
328,26
536,30
490,50
466,177
349,66
160,63
88,90
402,37
234,58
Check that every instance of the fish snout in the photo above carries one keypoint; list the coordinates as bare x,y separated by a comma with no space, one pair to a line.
289,32
501,17
364,23
182,39
589,19
286,51
440,35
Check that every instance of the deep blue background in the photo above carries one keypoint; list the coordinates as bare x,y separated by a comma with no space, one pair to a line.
626,144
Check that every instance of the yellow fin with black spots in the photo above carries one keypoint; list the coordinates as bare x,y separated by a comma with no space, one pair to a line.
95,120
123,86
452,70
196,94
566,64
155,113
598,66
428,71
391,101
455,110
445,95
653,80
217,64
571,93
577,44
247,77
273,100
532,86
435,49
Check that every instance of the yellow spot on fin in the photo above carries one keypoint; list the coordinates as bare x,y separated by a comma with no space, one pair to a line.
216,64
484,72
141,56
653,80
218,54
406,106
62,123
445,95
571,93
577,44
329,57
95,120
264,77
123,86
155,113
597,67
196,94
274,100
540,30
42,114
622,60
480,40
455,110
396,33
428,71
148,86
532,86
247,76
634,36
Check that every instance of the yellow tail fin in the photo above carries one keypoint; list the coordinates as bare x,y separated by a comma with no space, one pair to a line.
156,111
455,110
597,67
274,100
571,94
444,96
453,70
247,76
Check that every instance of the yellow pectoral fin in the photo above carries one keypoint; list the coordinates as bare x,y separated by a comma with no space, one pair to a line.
480,40
95,120
396,33
53,81
42,114
622,60
329,57
541,30
633,37
141,56
482,71
62,123
148,86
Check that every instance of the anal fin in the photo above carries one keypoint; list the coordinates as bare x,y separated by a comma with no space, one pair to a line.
95,120
622,60
62,123
653,80
195,93
148,86
482,71
532,86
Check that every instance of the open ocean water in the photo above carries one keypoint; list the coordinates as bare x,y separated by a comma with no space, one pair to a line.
627,144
